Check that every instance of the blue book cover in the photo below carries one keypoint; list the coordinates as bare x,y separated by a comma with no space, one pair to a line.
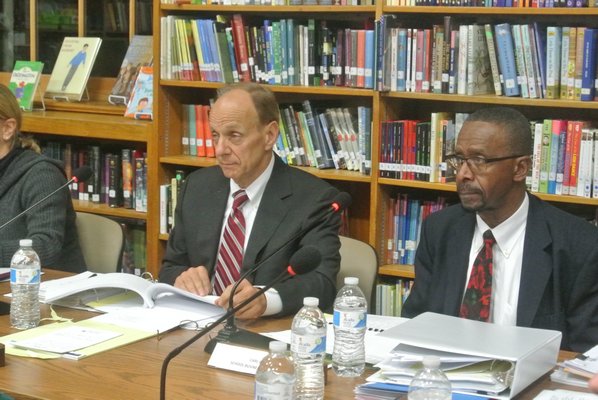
205,50
413,227
506,59
210,28
267,28
231,53
369,59
589,64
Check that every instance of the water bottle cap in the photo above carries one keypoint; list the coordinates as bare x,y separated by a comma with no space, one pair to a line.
311,301
25,242
276,346
351,280
431,362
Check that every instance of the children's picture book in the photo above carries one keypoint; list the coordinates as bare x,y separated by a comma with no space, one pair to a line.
139,54
73,67
24,82
142,98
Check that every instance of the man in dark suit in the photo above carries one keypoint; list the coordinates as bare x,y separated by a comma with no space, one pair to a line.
545,261
282,201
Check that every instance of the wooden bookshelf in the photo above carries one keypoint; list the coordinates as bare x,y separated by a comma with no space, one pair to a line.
371,193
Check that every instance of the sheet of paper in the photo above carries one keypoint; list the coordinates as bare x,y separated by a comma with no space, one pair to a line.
66,340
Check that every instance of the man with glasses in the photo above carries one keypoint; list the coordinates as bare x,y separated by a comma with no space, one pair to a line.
503,255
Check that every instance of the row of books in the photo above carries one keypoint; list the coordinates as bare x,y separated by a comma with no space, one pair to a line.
317,137
524,60
119,177
497,3
416,150
284,52
326,138
565,159
404,216
391,296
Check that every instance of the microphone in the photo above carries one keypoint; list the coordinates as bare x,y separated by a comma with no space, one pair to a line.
79,175
303,261
230,333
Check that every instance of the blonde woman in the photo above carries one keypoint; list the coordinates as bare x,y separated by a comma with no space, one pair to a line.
26,176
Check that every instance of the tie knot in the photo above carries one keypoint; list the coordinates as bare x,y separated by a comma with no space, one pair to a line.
239,198
489,237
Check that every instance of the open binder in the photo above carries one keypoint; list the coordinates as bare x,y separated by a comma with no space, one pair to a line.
533,352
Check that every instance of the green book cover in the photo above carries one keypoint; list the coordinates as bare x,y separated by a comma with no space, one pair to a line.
24,81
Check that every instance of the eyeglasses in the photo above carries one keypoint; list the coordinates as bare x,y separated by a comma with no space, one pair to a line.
476,163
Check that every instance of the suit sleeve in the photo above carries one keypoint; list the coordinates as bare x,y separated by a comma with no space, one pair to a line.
176,259
321,282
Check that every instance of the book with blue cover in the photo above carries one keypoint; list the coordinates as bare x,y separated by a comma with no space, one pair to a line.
141,103
506,59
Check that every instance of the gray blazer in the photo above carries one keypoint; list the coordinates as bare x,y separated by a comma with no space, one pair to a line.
292,199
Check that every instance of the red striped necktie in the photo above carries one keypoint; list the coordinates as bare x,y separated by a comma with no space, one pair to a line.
478,295
230,254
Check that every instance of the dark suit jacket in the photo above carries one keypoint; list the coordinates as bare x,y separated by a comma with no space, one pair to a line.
292,199
559,277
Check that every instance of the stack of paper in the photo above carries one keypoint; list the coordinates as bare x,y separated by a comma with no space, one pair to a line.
579,370
466,372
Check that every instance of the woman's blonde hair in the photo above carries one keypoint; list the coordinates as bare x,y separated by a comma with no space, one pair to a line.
9,108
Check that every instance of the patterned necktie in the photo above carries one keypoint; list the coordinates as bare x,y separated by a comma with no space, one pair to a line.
230,254
476,302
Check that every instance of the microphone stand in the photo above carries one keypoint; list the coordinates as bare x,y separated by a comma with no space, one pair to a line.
231,333
175,352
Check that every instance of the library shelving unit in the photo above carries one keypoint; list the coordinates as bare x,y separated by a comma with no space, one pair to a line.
408,105
90,122
371,193
171,94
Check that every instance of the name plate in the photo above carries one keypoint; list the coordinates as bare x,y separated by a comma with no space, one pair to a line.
236,358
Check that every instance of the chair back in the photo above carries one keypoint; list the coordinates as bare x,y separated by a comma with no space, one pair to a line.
101,240
358,259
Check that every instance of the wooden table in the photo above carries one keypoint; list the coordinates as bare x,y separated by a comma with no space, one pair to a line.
133,371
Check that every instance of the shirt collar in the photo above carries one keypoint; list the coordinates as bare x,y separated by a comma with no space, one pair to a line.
507,232
257,187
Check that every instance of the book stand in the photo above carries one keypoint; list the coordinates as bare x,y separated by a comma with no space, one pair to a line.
40,101
85,97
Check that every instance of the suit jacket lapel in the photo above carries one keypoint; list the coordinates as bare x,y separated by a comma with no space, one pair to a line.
536,264
270,213
461,237
212,207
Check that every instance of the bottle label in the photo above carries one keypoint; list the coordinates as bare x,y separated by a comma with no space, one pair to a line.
274,391
313,344
25,276
349,319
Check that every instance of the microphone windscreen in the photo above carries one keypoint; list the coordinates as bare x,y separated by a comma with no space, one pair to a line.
305,260
82,174
341,201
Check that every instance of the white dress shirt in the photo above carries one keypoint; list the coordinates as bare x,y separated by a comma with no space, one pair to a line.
254,192
507,257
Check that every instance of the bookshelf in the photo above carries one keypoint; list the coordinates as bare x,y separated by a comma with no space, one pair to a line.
371,193
95,122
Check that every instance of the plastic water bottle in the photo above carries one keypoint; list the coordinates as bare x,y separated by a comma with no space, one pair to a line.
25,272
430,383
275,376
308,345
350,314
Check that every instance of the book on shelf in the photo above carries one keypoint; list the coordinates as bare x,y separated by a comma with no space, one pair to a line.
141,104
588,75
73,66
139,54
24,82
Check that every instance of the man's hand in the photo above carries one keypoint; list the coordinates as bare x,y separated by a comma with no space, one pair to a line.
255,309
195,280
